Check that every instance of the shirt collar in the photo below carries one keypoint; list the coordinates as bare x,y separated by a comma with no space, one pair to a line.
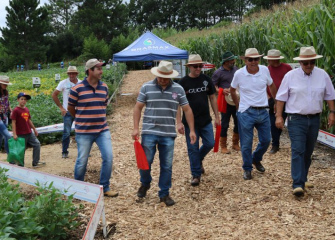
85,82
246,73
155,81
304,74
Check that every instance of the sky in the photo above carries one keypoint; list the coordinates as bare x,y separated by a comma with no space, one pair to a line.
3,12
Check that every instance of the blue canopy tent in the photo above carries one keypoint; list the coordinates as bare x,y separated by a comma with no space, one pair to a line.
149,47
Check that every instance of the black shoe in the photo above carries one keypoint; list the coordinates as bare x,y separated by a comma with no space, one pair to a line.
259,166
65,155
167,200
142,191
274,149
39,164
195,181
247,175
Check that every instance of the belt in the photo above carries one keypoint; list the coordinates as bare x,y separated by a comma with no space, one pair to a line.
259,107
305,115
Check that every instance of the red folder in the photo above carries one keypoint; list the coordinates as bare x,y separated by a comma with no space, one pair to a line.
141,159
217,138
222,104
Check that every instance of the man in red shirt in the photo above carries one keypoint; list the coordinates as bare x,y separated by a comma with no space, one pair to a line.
277,72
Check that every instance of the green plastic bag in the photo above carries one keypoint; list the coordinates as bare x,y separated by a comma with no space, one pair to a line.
16,151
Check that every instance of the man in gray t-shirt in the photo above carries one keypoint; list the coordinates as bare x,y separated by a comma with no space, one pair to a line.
161,97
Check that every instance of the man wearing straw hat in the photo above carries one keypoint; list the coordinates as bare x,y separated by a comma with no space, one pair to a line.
277,72
222,79
303,90
64,87
161,97
251,82
199,88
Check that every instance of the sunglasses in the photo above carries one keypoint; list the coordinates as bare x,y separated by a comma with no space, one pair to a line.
197,66
253,59
305,63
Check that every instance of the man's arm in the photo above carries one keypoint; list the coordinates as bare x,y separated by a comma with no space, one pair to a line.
273,90
190,121
331,116
279,114
58,103
180,125
33,127
14,129
72,110
234,97
136,119
214,105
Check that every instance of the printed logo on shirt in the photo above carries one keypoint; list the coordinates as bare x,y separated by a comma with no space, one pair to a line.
174,95
25,116
198,90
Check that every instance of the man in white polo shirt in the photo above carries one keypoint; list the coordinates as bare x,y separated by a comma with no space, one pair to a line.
303,90
251,81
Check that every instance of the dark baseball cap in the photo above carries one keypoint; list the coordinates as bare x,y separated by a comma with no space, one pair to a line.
21,94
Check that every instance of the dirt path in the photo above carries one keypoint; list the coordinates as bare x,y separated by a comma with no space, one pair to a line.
224,206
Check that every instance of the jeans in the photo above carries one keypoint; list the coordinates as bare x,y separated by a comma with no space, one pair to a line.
84,144
32,140
275,132
68,120
303,132
4,134
165,147
196,154
258,118
225,119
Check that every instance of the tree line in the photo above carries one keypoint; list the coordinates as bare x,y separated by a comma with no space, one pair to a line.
79,29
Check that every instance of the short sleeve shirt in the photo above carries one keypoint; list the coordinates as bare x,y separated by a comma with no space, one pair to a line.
21,116
222,77
65,86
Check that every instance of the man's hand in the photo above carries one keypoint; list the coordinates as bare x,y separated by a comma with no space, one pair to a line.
36,133
280,122
193,137
63,111
135,135
15,136
180,128
331,119
217,121
226,91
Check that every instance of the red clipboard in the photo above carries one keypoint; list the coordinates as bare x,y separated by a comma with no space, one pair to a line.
222,104
141,158
217,138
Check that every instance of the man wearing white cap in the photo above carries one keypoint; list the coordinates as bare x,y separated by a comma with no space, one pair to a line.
303,90
87,103
251,81
64,87
277,72
161,97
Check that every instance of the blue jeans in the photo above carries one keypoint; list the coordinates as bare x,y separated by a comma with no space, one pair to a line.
275,132
165,147
4,134
84,144
196,154
68,120
303,132
250,118
225,119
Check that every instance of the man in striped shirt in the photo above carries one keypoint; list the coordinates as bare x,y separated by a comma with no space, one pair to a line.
161,97
87,103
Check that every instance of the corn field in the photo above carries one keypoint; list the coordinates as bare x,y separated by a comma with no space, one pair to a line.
285,28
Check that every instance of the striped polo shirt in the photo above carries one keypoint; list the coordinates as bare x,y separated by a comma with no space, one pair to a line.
159,117
90,106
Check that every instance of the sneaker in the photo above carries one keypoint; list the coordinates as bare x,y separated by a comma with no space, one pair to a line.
309,185
274,149
111,193
142,191
247,175
195,181
65,155
39,164
167,200
298,192
259,166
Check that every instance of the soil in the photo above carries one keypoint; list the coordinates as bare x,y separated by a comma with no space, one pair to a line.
223,206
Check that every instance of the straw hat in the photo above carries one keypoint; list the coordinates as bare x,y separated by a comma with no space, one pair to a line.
307,53
5,80
273,54
251,53
72,69
194,59
164,70
229,99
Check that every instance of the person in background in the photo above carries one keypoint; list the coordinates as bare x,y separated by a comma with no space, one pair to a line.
251,82
5,111
161,97
222,79
199,88
64,87
303,90
22,125
277,71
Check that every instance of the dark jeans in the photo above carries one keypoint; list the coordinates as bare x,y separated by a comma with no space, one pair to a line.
32,140
275,132
225,119
68,120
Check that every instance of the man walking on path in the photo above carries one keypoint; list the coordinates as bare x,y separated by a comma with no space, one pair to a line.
64,87
87,103
251,82
303,90
222,79
198,88
277,72
161,97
